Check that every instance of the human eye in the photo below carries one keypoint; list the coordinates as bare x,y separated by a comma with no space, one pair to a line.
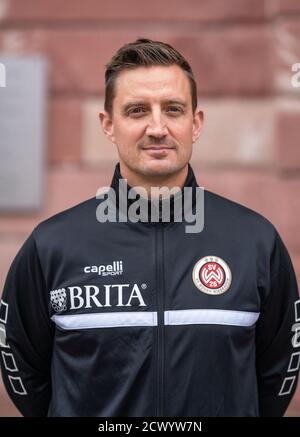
174,110
138,110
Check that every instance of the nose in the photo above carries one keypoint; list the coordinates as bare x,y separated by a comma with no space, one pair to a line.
157,126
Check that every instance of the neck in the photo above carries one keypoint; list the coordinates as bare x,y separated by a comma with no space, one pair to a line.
146,182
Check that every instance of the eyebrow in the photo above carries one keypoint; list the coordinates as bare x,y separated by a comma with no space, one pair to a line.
142,102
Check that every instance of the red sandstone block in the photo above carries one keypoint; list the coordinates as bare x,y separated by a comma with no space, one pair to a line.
9,247
249,187
286,54
94,10
276,199
288,206
67,188
64,141
76,58
64,188
235,61
225,60
287,138
288,6
221,143
264,192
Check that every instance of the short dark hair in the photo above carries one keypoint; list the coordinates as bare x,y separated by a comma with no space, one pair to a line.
144,52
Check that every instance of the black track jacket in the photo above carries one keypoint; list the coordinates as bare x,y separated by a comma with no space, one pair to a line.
144,319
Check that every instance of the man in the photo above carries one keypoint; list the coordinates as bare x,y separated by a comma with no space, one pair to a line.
124,318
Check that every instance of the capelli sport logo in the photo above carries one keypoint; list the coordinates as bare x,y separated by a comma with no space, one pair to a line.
114,269
211,275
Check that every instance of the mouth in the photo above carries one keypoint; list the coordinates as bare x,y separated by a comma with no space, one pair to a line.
158,148
158,151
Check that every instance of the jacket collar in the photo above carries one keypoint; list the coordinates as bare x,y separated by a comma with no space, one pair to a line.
115,184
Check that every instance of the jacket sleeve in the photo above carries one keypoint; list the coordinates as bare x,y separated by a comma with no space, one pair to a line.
277,336
26,333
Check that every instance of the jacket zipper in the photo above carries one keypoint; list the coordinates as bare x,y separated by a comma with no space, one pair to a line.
160,316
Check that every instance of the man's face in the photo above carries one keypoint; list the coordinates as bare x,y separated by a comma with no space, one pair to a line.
152,122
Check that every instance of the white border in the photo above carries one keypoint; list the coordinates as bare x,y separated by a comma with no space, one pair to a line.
2,328
105,320
296,336
17,378
297,316
209,316
5,311
292,369
282,392
4,354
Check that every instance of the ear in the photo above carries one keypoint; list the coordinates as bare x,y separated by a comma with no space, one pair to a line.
197,124
107,125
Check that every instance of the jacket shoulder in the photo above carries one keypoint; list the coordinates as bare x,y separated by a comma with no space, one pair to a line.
236,217
68,221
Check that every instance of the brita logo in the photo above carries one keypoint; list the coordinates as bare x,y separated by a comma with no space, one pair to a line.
92,296
114,269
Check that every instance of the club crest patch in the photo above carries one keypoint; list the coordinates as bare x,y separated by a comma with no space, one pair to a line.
212,275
